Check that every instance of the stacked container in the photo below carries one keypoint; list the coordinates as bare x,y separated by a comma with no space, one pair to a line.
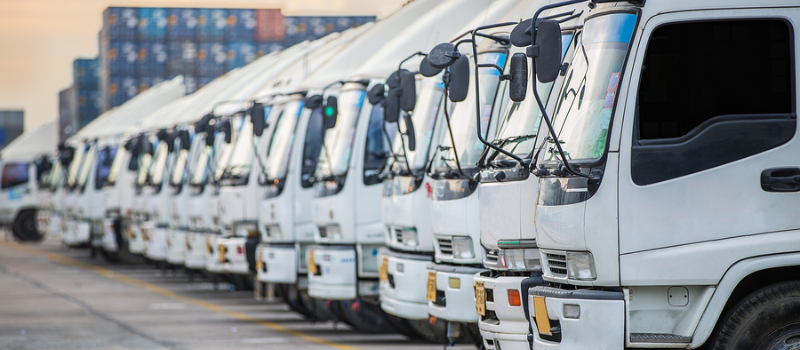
85,82
67,123
12,122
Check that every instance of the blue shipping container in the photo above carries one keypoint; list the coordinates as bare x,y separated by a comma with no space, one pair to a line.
182,24
263,49
152,24
121,58
239,54
120,23
85,73
190,82
152,60
88,105
203,81
211,24
121,89
182,56
241,24
210,59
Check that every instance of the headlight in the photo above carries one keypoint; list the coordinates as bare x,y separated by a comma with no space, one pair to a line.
520,259
580,266
462,248
408,237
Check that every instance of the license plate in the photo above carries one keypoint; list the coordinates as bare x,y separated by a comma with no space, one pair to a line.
480,298
259,261
222,250
540,312
431,294
383,272
312,266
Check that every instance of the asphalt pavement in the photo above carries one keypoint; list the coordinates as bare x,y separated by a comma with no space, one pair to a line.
54,297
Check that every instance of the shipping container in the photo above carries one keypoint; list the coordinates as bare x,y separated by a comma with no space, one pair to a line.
118,58
241,25
210,59
182,24
120,23
182,56
87,105
152,60
85,73
12,123
267,48
190,82
203,81
120,90
67,124
211,24
270,25
152,24
239,54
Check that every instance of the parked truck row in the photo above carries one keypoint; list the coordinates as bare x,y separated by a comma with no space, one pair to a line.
516,174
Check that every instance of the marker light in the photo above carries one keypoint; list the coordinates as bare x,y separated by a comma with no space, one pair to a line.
455,283
514,298
572,311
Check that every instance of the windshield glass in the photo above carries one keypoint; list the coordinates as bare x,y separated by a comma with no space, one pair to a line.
423,117
105,160
334,157
144,169
75,165
242,155
117,165
462,118
86,166
280,145
224,150
55,175
520,121
583,113
200,165
159,163
179,167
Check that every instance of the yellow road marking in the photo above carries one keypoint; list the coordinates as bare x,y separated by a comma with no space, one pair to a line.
170,294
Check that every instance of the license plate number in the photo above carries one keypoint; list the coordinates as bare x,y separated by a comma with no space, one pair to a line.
383,272
431,294
540,312
480,298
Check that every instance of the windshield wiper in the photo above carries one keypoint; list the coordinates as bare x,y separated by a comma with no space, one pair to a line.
446,78
509,140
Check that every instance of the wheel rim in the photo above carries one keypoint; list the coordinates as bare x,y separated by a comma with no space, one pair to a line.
783,338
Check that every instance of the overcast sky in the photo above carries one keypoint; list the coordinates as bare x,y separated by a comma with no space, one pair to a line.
40,38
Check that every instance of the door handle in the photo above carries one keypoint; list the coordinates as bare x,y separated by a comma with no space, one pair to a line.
781,179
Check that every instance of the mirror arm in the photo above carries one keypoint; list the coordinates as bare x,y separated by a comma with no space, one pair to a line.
500,70
388,140
446,80
403,143
418,53
478,105
551,6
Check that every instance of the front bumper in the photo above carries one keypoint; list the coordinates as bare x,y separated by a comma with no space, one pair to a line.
504,326
109,235
155,247
333,276
176,246
135,240
455,301
600,323
277,263
54,224
77,232
403,291
233,260
195,256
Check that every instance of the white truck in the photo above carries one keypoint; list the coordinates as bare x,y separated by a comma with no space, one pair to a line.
664,213
19,198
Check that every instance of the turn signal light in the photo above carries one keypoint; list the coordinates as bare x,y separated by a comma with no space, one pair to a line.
239,250
513,298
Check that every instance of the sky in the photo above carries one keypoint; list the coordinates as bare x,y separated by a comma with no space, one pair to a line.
40,38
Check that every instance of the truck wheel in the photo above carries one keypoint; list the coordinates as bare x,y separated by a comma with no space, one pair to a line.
767,319
318,311
293,301
368,318
433,333
24,227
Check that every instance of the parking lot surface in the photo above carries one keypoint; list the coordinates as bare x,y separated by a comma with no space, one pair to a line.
53,297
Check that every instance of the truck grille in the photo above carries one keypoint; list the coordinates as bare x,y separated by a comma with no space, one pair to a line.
446,246
557,264
398,235
323,232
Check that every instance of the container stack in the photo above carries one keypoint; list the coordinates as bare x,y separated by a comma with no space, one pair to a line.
85,83
67,122
141,47
12,123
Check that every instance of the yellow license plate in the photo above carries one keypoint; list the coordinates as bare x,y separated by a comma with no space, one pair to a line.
312,266
383,272
208,246
259,261
130,233
222,250
480,298
540,312
431,294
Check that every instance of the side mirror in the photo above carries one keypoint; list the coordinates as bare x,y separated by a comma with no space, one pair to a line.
517,88
313,102
408,84
162,135
225,128
521,34
171,141
426,69
145,145
412,137
66,155
459,80
186,142
257,118
331,111
210,135
376,94
443,55
128,145
394,79
392,110
546,52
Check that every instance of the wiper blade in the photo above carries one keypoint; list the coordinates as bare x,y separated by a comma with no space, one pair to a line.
510,140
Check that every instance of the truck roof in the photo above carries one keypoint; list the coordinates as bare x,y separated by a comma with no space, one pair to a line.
32,144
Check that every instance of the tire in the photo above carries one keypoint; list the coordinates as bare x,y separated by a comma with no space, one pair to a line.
293,301
24,227
318,311
433,333
368,319
767,319
473,335
402,326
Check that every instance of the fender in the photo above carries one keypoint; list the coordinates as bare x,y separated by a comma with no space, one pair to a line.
729,282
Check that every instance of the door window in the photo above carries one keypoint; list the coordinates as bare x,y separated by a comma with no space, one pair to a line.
14,174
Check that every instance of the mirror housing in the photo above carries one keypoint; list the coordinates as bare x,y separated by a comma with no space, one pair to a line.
546,52
313,102
171,141
331,111
186,142
518,87
226,129
410,133
162,135
459,80
145,145
443,55
426,69
521,34
65,155
391,112
376,94
408,97
257,118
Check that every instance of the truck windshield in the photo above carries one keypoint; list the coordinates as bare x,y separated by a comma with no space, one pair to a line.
55,176
105,159
200,165
339,139
280,145
224,151
75,165
86,166
159,163
424,118
117,165
144,169
520,121
583,111
462,118
14,174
